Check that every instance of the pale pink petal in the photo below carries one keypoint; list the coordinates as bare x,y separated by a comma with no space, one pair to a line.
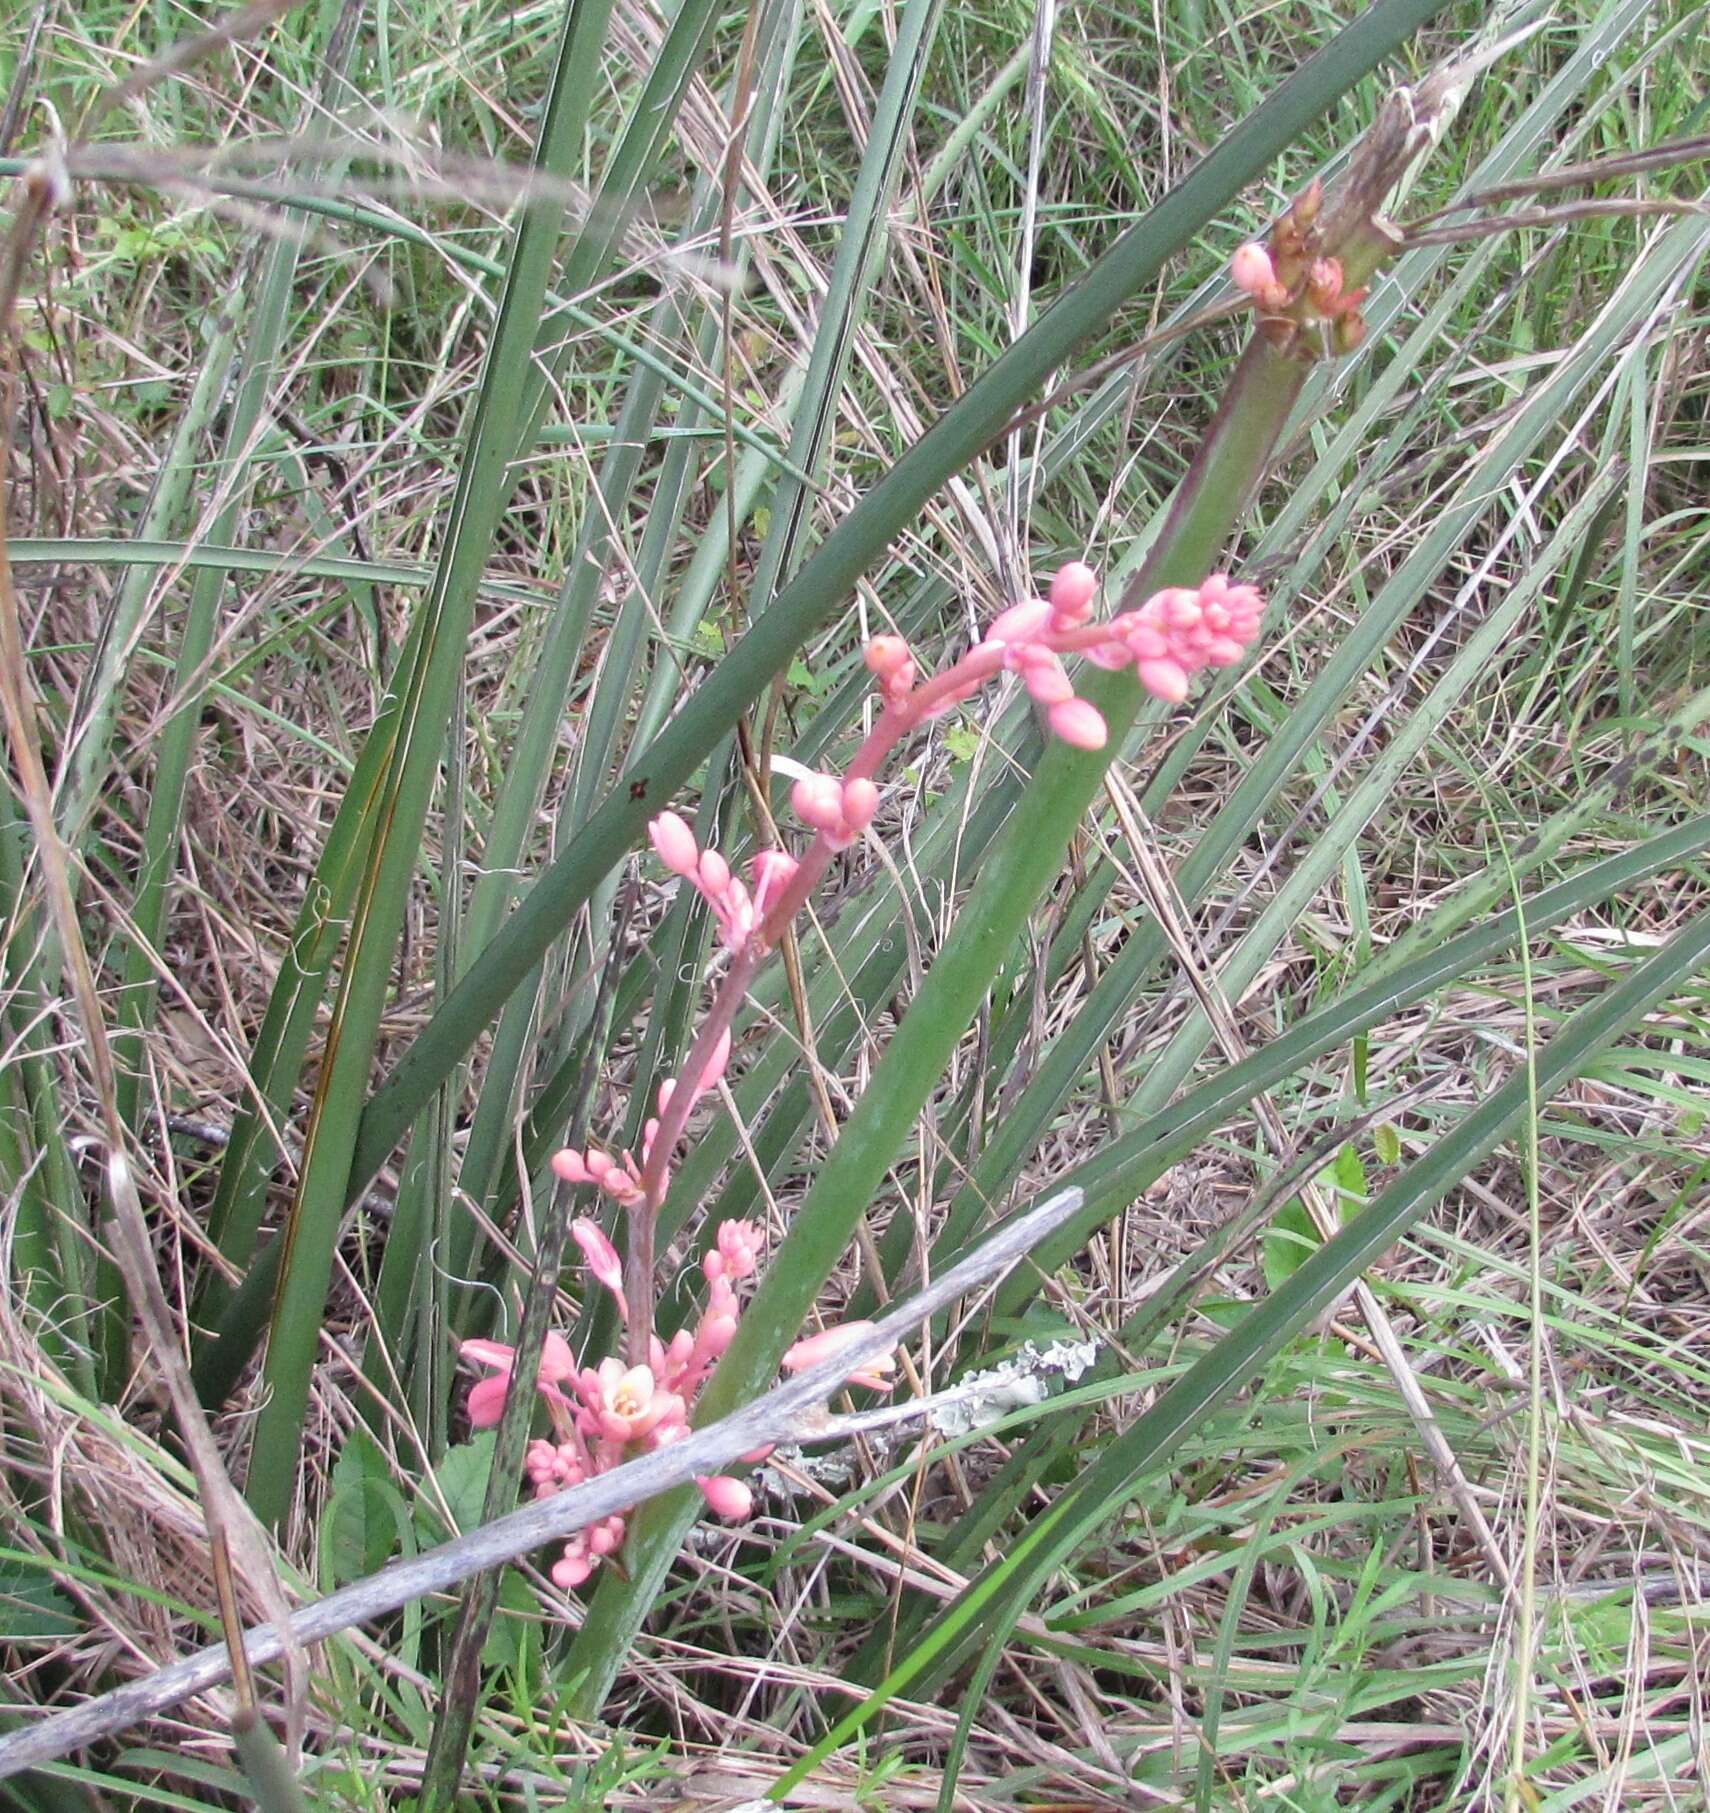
557,1363
489,1353
487,1400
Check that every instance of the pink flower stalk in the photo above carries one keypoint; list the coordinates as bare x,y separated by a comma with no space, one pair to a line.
605,1414
487,1396
874,1374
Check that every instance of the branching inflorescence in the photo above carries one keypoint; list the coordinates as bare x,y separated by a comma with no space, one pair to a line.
603,1415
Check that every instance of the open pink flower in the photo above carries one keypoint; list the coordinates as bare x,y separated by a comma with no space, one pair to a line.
625,1404
487,1396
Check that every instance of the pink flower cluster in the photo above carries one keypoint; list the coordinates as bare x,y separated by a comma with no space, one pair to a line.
1295,284
604,1415
1179,632
1172,636
737,909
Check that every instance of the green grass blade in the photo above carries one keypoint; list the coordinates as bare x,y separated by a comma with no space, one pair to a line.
407,746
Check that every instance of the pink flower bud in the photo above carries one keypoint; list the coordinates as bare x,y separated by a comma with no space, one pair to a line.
832,1341
1147,642
860,801
1078,724
675,843
602,1258
1021,623
726,1497
739,1244
818,801
568,1165
811,1349
1179,607
1164,679
715,1334
1044,677
714,1072
1072,592
570,1572
714,872
889,660
773,872
1251,268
